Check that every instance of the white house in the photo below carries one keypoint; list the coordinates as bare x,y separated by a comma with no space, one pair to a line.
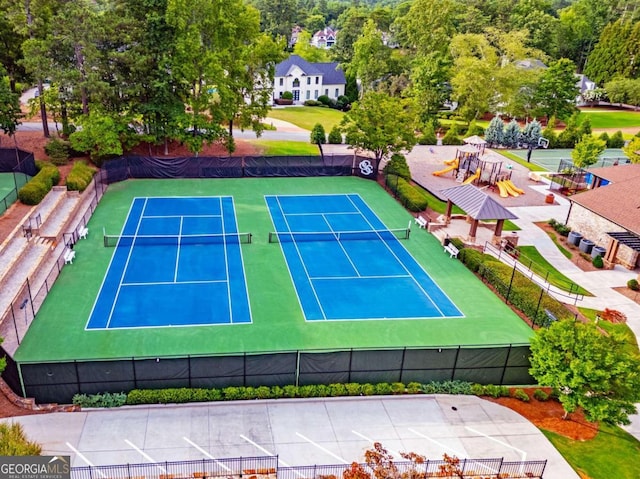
308,81
324,38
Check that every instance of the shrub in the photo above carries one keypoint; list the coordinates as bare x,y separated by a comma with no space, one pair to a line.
613,316
289,391
495,391
598,262
604,136
428,136
458,243
451,137
323,99
37,188
337,390
383,389
616,140
412,198
80,176
57,151
13,441
521,395
100,400
353,389
368,389
448,387
540,395
414,388
397,165
318,136
231,393
343,103
287,95
474,129
632,284
398,388
471,258
335,136
312,103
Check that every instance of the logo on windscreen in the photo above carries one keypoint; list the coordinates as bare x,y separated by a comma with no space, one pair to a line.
366,168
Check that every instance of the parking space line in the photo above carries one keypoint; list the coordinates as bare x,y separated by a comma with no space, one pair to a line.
84,458
392,452
145,455
523,453
205,453
263,449
322,448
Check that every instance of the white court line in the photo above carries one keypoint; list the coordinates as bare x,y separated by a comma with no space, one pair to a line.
322,448
394,453
205,453
145,455
524,454
457,453
84,458
263,449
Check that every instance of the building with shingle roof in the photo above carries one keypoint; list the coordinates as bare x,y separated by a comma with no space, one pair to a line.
308,81
609,213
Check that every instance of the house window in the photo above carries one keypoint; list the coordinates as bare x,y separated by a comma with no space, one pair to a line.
308,80
337,92
308,94
281,81
317,80
315,95
326,91
296,83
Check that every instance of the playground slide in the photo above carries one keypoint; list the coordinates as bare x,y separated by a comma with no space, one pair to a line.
513,187
451,161
511,191
502,189
447,169
473,177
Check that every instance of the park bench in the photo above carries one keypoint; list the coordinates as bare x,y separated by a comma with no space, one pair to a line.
452,250
83,232
69,254
421,222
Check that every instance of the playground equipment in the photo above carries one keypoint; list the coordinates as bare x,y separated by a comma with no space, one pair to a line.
451,161
513,187
473,177
451,167
502,189
507,188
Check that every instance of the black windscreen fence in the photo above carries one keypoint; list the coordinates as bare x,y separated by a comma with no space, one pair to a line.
120,169
58,382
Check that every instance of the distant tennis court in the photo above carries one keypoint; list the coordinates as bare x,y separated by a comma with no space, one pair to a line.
177,262
550,159
346,265
7,184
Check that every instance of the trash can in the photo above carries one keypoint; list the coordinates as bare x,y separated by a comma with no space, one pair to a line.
574,238
549,198
598,251
586,245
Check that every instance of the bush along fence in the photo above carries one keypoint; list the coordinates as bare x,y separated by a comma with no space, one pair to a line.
22,165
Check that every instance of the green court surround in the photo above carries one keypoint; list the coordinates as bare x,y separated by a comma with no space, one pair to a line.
58,334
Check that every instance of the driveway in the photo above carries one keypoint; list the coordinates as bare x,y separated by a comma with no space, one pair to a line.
300,432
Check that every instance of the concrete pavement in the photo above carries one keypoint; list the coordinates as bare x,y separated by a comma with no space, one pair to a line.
300,432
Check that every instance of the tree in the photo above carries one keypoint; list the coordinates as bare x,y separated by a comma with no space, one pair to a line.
429,84
335,135
277,17
306,50
318,137
511,134
587,151
531,133
590,369
556,92
494,133
367,125
427,26
10,112
609,58
371,57
101,136
632,150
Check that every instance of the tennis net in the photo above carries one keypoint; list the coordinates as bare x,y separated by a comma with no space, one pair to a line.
366,235
175,240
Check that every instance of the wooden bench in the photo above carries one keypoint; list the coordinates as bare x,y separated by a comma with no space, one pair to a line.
83,232
452,250
69,254
421,222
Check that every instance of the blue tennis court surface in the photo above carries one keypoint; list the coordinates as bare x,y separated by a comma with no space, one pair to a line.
346,265
177,262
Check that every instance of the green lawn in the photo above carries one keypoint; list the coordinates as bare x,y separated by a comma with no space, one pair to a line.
285,148
612,453
520,161
612,119
630,339
530,256
307,116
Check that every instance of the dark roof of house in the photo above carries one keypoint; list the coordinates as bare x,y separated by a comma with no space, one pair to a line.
617,202
477,204
331,72
618,173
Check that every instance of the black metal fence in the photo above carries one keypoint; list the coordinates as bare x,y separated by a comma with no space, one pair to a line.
22,165
267,468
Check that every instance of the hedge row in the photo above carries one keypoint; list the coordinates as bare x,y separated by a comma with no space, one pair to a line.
410,197
80,176
37,188
524,294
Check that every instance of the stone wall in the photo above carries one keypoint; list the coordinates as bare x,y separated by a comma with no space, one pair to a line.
595,228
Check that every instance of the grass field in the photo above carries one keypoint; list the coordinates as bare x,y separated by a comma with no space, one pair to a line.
285,148
278,324
307,116
611,119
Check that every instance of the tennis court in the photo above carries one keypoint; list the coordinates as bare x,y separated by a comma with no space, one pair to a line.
177,262
549,159
275,319
340,254
7,184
